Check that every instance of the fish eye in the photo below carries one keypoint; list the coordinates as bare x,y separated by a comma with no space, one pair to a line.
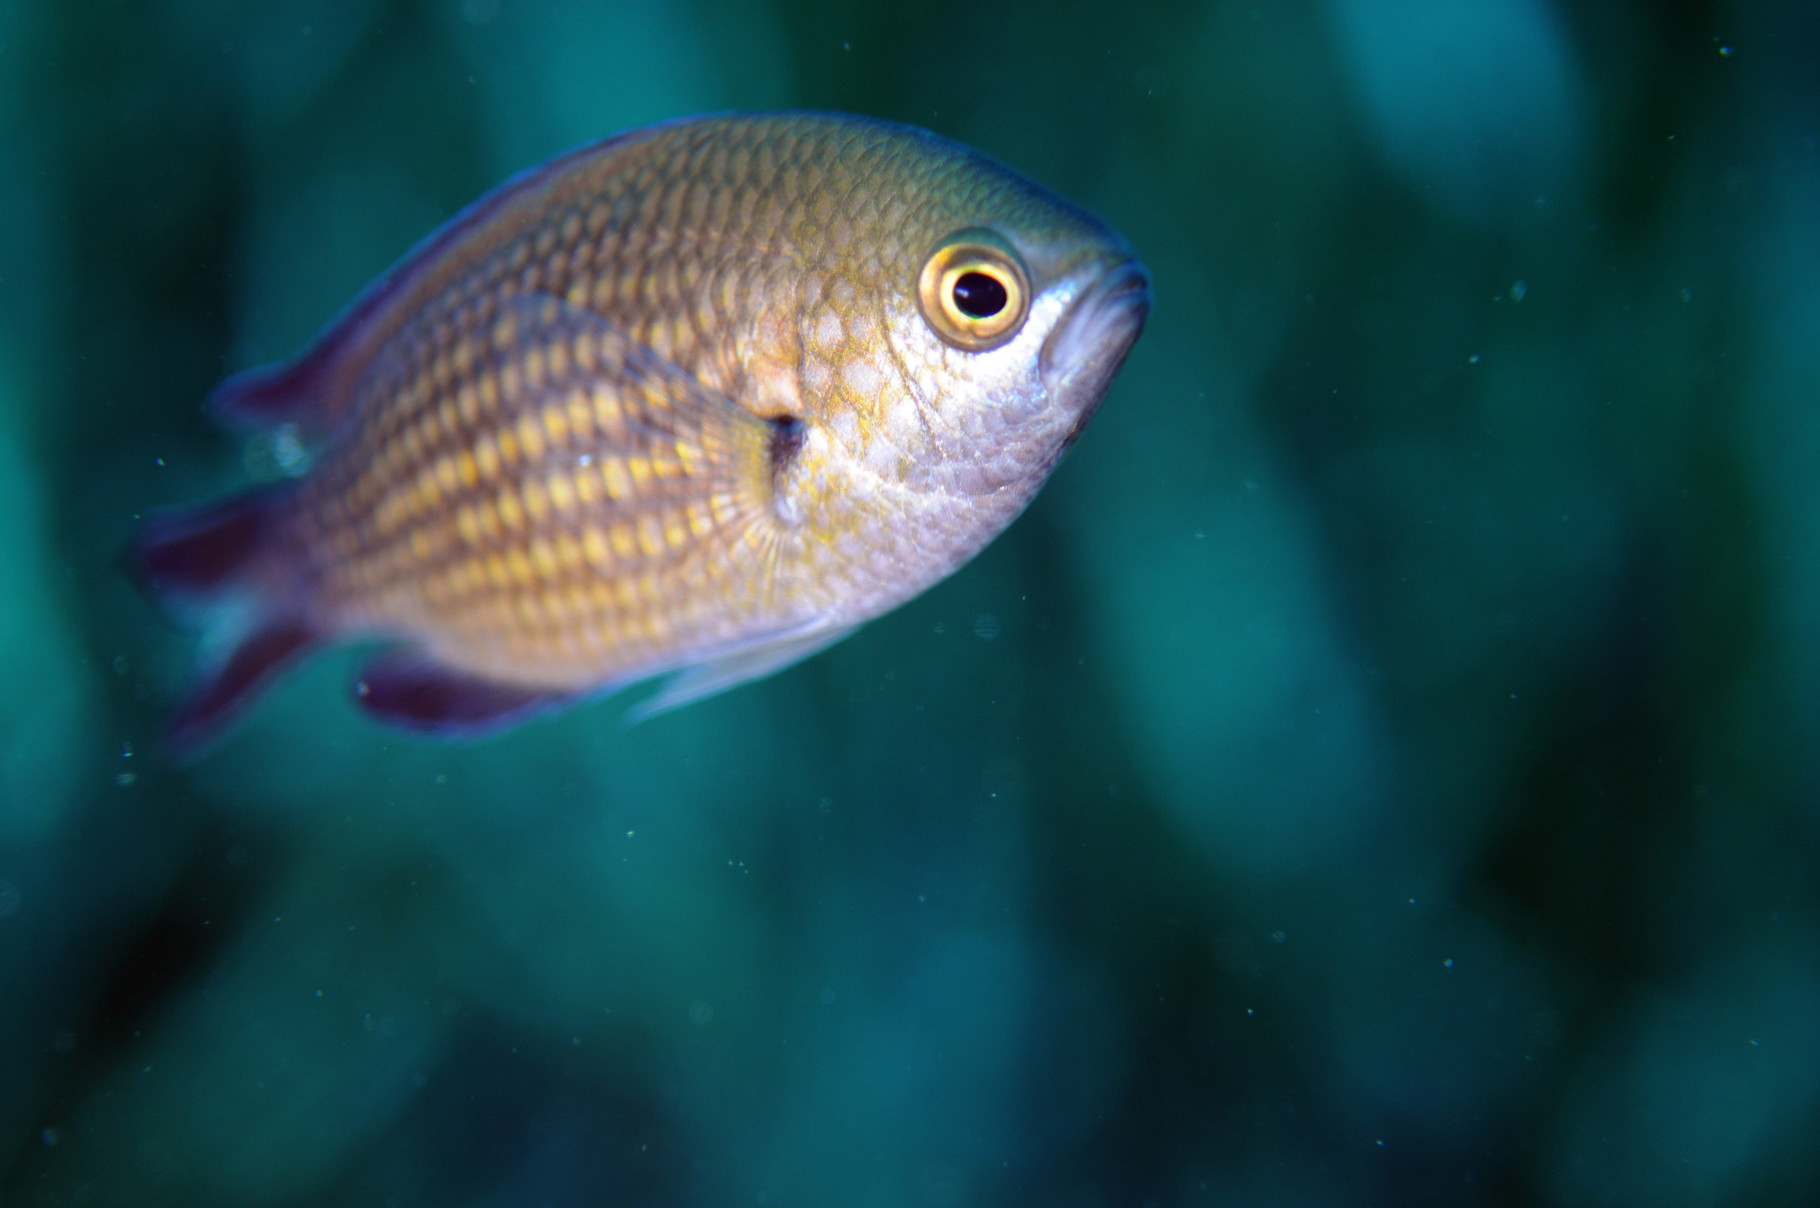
973,291
980,295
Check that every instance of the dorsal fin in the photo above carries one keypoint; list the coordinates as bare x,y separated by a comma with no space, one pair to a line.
314,389
299,391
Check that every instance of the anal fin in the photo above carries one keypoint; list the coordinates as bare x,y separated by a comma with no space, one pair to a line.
417,693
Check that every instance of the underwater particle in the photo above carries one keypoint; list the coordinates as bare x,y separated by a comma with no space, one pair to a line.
1151,83
985,627
1005,779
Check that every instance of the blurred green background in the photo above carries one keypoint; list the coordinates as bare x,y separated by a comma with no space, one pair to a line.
1381,768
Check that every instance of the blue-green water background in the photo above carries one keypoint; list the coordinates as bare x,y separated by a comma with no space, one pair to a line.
1382,768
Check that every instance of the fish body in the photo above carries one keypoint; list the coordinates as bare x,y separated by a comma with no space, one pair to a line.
699,399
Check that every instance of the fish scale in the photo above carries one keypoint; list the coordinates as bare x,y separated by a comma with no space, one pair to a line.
565,473
670,403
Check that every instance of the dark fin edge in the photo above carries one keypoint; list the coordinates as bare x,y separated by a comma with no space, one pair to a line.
412,692
196,559
289,392
219,697
198,554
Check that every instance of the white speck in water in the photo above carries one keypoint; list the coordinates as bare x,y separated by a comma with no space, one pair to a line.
1150,82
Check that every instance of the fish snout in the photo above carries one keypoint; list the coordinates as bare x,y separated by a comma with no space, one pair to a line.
1092,339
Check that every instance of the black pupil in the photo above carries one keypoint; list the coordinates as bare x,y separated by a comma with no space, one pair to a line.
979,295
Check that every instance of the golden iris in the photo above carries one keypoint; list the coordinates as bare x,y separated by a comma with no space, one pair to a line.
974,291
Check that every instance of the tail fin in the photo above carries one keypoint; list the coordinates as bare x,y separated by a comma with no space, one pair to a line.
218,560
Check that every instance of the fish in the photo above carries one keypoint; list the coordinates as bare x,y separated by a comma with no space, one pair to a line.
693,402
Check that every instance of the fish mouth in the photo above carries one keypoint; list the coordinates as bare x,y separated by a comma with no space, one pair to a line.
1087,347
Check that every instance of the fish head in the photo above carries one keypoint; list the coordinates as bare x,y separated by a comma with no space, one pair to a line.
1059,302
962,327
